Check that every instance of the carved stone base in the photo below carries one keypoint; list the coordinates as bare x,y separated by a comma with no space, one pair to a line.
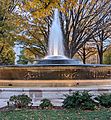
55,72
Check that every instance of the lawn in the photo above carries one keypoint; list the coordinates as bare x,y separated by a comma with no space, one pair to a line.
103,114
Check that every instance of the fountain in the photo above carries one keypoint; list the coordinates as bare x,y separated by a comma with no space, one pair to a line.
53,76
55,67
55,46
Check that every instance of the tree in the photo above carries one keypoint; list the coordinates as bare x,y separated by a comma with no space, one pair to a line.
102,39
107,56
6,32
26,56
22,58
7,55
87,51
80,22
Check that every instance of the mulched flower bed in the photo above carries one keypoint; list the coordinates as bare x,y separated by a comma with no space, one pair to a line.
6,108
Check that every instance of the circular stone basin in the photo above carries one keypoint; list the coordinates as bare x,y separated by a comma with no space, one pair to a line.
58,60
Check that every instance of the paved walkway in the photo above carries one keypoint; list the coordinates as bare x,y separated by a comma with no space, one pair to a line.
55,94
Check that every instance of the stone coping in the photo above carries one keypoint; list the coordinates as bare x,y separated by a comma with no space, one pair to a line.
57,65
53,83
47,89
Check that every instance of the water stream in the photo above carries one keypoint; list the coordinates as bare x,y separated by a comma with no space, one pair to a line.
56,47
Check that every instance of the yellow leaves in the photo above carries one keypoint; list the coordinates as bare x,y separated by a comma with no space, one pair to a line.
63,10
17,23
27,6
93,1
29,54
41,14
41,9
73,2
7,52
68,5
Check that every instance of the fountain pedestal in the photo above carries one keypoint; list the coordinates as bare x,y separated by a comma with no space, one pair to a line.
60,60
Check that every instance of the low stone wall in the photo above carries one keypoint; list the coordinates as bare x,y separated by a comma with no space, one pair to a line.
56,95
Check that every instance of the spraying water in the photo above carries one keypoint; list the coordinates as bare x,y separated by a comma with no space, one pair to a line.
56,47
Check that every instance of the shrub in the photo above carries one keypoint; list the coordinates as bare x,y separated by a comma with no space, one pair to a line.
104,100
79,100
46,103
20,101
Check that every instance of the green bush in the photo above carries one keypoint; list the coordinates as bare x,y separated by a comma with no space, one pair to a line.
46,103
80,100
20,101
104,100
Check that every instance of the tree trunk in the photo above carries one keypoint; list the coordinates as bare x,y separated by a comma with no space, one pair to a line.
100,57
84,55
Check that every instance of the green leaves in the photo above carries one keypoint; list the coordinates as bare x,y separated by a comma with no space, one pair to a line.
102,114
7,55
7,38
107,56
79,100
104,100
20,101
46,103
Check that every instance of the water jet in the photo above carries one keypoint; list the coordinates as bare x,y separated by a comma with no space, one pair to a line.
56,46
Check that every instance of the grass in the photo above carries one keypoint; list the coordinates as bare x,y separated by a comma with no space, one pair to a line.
103,114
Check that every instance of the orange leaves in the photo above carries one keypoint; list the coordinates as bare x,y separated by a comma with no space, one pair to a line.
17,23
